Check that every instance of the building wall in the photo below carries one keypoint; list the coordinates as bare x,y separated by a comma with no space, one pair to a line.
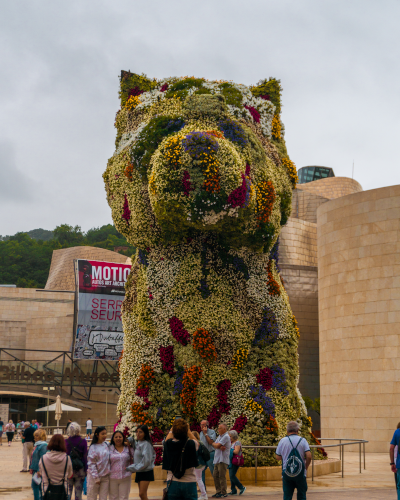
298,264
332,187
31,319
359,315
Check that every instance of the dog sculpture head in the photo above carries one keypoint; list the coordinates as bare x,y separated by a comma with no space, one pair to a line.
195,156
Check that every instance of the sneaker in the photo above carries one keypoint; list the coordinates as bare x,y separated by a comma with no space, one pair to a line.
232,493
224,496
23,470
243,490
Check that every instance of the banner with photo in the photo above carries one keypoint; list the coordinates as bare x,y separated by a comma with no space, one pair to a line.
100,293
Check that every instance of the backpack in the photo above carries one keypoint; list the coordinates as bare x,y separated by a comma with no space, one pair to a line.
203,454
55,491
76,459
295,466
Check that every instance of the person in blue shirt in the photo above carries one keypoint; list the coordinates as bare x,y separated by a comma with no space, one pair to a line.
1,432
395,461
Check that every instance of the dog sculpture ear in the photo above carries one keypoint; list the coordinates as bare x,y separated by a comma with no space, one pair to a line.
270,90
133,84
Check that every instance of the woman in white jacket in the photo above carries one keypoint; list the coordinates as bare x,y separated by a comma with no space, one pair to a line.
98,477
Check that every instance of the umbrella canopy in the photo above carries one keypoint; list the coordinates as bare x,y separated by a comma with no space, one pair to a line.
63,407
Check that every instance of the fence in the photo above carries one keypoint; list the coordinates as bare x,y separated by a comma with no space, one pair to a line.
341,445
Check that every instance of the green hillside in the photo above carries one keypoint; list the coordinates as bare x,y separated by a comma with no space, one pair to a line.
25,257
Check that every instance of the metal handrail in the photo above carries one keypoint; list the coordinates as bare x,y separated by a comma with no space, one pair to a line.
341,446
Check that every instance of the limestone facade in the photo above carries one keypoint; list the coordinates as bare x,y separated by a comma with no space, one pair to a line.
298,264
37,320
359,315
62,274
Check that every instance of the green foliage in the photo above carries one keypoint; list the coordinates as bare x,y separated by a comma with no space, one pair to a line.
41,234
150,138
25,261
271,87
231,94
196,107
131,80
180,89
68,235
313,404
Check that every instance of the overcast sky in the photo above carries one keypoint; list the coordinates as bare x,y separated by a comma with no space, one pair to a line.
338,61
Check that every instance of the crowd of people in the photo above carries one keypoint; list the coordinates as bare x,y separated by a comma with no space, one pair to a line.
66,467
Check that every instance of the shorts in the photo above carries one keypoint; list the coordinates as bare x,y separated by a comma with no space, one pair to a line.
89,432
144,476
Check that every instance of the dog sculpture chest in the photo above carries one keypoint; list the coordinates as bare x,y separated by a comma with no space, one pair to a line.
201,184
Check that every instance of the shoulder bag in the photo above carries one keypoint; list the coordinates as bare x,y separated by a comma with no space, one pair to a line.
238,460
55,491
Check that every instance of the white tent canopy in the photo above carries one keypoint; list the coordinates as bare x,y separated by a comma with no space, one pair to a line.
63,407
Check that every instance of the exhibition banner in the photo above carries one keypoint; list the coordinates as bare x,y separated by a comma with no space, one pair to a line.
100,293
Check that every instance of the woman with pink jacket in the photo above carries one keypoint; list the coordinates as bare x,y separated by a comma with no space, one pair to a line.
55,466
121,456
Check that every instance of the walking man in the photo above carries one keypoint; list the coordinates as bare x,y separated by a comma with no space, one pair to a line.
395,461
208,437
222,447
89,426
27,447
295,454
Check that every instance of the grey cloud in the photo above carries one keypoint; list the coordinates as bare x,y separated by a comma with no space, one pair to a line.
15,185
60,62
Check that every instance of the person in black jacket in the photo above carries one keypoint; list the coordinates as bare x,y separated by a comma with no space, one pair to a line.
180,460
28,440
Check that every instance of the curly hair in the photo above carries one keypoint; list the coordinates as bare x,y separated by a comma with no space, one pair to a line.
74,429
40,434
180,429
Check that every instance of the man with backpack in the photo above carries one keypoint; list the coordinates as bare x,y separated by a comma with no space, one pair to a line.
395,458
294,452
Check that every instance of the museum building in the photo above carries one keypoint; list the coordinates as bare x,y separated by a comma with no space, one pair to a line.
339,259
36,338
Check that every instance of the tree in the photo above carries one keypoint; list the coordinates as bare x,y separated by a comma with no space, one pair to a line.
68,236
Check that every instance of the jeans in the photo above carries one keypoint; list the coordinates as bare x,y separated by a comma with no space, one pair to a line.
182,491
289,485
234,480
200,483
398,485
37,490
210,465
76,481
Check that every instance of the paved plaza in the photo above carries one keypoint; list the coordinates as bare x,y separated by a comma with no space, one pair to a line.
375,483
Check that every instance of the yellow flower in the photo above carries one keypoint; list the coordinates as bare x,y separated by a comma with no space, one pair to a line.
132,102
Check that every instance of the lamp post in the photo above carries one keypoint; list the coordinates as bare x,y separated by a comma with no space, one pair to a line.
48,389
106,391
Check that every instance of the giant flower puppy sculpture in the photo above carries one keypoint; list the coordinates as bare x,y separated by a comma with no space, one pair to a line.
201,184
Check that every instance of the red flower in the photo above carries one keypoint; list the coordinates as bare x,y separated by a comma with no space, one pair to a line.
265,377
126,214
254,113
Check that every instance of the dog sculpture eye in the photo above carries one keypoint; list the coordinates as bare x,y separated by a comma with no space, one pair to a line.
201,184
